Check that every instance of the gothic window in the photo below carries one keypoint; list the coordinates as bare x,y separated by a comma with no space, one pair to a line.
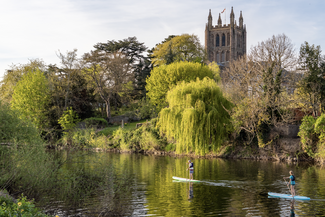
238,40
217,40
223,56
227,56
223,40
228,39
218,58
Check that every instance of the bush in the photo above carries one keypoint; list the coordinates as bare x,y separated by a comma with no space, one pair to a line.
22,208
15,130
144,138
320,130
170,147
85,138
308,135
69,119
145,110
95,122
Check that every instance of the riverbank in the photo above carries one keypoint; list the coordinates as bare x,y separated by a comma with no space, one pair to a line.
285,149
281,144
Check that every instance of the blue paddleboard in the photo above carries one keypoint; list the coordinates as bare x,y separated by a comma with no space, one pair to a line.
288,196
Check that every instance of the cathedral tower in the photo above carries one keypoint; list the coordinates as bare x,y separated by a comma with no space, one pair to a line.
225,43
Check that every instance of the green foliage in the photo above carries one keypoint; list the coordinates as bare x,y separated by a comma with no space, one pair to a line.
320,130
14,74
95,122
143,109
179,48
23,208
197,116
145,138
134,52
146,109
313,83
165,77
272,86
307,134
31,97
15,130
170,147
87,138
28,168
69,119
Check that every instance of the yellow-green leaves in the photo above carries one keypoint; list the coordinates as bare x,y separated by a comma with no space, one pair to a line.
180,48
31,96
196,116
164,77
69,119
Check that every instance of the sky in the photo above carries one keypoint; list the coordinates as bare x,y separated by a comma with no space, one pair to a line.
39,29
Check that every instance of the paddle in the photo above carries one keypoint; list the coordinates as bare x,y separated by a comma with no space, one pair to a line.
287,185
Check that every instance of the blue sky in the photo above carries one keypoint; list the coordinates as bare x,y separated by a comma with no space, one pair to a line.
33,29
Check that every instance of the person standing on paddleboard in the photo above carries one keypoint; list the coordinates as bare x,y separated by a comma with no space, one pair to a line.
191,168
292,182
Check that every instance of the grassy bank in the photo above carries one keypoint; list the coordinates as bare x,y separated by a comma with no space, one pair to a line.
130,138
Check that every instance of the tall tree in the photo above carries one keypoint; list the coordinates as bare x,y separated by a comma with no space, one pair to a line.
259,94
197,116
278,49
31,96
134,52
69,64
14,74
313,84
110,72
69,87
179,48
164,77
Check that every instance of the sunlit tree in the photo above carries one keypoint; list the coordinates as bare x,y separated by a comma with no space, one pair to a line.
179,48
31,96
197,116
164,77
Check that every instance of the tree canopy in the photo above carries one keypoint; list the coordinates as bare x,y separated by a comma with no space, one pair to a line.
197,116
179,48
164,77
31,96
278,49
134,52
313,84
14,74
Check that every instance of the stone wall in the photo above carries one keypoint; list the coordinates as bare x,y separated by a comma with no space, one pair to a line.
287,131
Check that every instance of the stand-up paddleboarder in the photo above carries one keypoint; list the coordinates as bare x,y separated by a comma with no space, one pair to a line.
191,168
292,183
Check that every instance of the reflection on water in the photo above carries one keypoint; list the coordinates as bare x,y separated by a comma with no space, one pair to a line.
227,188
190,191
292,208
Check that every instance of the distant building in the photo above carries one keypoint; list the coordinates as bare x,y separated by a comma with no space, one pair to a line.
225,43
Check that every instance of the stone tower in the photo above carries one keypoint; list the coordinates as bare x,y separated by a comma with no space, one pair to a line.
225,43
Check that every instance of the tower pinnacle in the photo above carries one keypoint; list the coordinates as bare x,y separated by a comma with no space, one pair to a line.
210,20
219,21
241,20
232,17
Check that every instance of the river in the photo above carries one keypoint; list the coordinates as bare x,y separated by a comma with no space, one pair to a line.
227,187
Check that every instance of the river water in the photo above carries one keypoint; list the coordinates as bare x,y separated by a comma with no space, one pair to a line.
228,187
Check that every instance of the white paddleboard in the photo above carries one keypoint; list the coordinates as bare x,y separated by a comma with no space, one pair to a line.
185,179
288,196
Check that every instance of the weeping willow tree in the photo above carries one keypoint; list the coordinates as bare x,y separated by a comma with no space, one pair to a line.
197,117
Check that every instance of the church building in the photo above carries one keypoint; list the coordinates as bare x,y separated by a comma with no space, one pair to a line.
225,43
